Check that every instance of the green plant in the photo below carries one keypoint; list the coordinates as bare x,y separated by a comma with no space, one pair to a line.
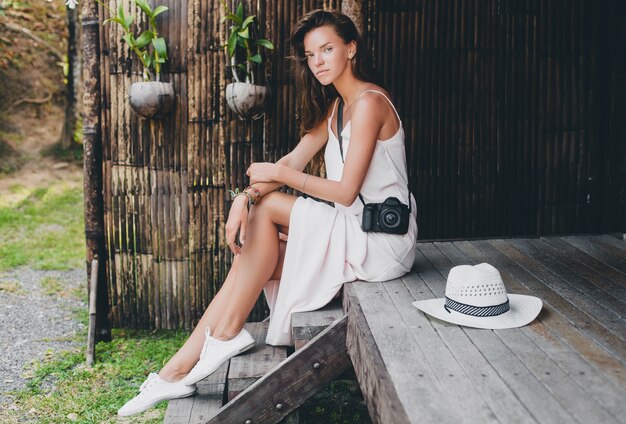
243,39
149,47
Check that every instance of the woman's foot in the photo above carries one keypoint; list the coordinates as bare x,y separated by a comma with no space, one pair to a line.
215,352
153,391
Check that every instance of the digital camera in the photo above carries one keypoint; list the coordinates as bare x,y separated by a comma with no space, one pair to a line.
391,216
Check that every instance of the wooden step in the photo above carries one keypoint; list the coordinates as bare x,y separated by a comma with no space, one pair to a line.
253,364
202,406
306,325
229,380
242,371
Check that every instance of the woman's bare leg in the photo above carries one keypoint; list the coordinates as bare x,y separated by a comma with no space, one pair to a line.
259,258
233,300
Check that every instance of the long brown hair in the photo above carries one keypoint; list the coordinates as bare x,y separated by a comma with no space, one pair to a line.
315,98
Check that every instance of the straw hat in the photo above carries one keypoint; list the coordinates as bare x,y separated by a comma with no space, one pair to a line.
476,297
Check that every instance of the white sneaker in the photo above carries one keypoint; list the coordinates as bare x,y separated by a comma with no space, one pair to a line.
215,352
153,391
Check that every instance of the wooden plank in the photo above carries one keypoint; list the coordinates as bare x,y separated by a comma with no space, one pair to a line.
552,319
541,403
306,325
610,245
299,377
253,364
474,386
604,390
588,247
562,279
611,280
511,259
204,404
397,384
611,240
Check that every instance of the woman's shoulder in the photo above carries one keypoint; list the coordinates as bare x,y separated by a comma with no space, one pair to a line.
372,100
374,92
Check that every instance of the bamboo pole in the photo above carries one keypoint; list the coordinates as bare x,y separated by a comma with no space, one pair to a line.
355,9
92,145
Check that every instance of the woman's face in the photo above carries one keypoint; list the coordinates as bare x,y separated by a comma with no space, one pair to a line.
327,54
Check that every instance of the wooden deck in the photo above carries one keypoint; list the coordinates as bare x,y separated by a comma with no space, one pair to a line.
566,366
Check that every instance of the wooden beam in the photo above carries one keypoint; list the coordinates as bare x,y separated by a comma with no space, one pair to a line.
91,332
286,387
92,165
380,394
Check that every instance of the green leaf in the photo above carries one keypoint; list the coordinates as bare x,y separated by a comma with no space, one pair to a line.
242,67
128,20
247,22
244,34
144,39
157,11
143,5
265,43
231,17
232,43
120,12
160,9
240,11
161,60
129,39
256,58
160,47
148,60
116,20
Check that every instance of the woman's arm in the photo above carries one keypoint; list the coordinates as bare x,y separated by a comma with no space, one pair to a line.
297,159
366,123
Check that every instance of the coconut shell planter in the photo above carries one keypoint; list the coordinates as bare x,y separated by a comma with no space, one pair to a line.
151,99
247,100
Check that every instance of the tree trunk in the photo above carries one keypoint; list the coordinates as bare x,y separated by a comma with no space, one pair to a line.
72,114
92,163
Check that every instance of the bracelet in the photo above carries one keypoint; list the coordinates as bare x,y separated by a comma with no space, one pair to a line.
304,183
257,194
250,201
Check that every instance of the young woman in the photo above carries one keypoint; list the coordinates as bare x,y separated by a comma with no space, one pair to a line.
326,246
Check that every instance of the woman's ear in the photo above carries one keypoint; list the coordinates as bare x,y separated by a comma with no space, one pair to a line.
351,49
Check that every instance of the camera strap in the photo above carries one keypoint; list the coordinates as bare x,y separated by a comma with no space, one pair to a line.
340,139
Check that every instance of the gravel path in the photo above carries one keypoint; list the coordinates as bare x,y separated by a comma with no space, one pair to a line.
33,322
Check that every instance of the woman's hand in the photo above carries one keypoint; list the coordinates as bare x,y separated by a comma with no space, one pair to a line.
263,172
237,222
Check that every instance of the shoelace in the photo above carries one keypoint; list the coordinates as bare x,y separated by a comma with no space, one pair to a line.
209,342
151,381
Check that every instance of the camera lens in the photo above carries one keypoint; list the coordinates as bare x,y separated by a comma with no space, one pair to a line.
390,218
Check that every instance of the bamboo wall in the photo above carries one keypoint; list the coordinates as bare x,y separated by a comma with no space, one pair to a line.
499,101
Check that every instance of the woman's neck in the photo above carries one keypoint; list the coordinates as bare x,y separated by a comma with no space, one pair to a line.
349,88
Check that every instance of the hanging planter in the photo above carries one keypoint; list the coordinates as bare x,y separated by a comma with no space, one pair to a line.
246,98
151,99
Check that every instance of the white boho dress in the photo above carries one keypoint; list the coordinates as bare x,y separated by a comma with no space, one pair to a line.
326,246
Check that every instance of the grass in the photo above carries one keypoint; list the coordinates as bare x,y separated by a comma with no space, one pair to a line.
43,227
62,389
11,287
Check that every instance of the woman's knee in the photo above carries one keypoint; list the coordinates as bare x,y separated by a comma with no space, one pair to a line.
275,206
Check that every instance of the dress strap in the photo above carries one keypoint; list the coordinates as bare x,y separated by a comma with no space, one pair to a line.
390,102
